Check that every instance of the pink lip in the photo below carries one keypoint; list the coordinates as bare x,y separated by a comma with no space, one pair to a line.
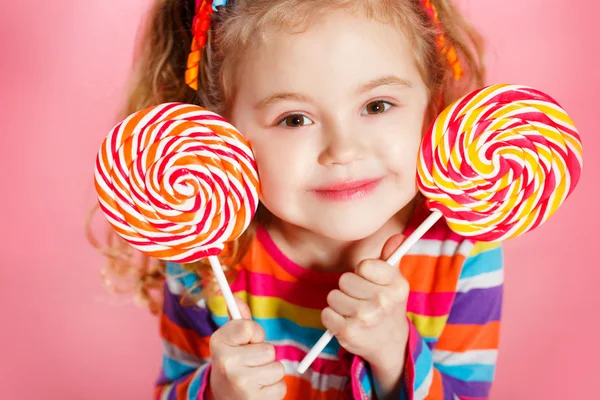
348,190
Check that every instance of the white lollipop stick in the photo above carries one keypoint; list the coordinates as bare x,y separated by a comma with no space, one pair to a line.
414,238
224,286
393,260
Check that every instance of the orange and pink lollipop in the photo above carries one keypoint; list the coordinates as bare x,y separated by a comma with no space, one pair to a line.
176,182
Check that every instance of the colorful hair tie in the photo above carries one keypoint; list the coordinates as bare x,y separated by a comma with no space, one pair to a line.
200,27
445,47
218,3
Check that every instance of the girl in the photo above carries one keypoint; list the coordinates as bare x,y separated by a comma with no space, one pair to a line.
334,97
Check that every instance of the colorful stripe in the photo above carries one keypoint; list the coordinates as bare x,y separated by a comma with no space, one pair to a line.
489,301
461,362
453,309
279,329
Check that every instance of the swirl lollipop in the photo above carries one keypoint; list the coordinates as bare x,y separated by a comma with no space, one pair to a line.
176,182
496,164
500,162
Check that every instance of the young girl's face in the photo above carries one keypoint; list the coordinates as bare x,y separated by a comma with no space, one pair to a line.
334,116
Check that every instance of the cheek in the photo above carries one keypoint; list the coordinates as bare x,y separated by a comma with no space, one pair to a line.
401,138
281,169
401,153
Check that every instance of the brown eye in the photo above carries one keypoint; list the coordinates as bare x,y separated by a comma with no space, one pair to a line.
377,107
295,121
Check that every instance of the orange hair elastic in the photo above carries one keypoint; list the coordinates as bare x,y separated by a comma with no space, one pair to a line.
200,27
445,47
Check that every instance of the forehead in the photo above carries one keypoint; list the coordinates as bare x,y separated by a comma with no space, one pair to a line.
338,48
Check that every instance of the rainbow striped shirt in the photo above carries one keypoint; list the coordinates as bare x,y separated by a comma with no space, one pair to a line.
454,309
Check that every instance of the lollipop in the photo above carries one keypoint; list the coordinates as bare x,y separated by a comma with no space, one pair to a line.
499,162
496,164
176,182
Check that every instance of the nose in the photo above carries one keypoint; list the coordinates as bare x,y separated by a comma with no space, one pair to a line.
343,144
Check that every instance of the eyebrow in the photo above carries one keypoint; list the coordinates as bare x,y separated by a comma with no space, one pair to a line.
274,98
388,80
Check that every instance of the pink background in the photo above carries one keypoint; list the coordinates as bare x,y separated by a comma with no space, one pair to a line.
63,67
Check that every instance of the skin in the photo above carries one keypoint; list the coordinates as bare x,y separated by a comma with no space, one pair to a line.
341,101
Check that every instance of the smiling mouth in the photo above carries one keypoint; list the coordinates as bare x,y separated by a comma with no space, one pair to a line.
346,191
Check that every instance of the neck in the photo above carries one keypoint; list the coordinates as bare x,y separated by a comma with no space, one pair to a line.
317,252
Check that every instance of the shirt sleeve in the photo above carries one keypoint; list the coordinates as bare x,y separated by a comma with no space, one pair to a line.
185,334
461,364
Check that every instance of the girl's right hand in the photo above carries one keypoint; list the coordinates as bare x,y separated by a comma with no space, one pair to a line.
243,365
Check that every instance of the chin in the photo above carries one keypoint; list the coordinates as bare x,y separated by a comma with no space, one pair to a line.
349,228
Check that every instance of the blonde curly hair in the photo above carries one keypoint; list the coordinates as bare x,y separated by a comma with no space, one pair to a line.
159,77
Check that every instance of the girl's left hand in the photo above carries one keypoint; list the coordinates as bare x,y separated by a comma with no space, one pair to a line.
368,313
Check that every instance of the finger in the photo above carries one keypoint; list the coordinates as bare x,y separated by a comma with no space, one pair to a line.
255,355
274,392
357,286
243,307
268,374
391,245
342,304
333,321
239,332
258,335
377,272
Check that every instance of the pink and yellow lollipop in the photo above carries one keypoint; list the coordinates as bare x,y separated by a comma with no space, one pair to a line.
177,181
499,162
